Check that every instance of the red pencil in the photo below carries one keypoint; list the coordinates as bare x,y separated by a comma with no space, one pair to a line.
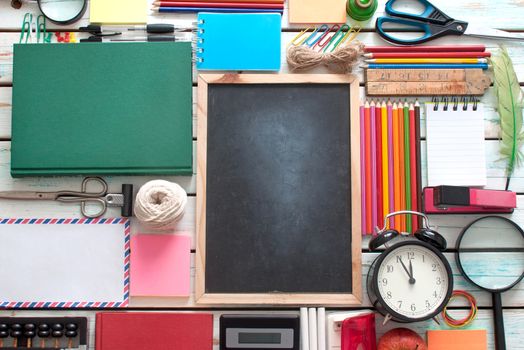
378,118
413,166
403,222
218,4
427,54
442,48
367,130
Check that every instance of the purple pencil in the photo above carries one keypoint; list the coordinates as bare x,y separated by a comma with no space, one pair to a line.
363,168
390,161
373,167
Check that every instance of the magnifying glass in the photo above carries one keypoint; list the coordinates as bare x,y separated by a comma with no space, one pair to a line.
59,11
490,254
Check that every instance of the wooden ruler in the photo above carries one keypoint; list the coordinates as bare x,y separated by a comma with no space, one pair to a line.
419,82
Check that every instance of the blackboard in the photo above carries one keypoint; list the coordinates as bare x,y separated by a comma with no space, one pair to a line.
278,191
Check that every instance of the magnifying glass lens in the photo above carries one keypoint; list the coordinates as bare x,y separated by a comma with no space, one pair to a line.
63,11
491,253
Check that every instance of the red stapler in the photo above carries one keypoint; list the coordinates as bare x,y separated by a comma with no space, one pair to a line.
467,200
358,333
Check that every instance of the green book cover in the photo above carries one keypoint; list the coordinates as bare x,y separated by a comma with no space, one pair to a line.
102,108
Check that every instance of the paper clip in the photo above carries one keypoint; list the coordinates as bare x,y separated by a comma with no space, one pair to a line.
325,39
351,34
336,38
26,28
41,31
320,30
295,41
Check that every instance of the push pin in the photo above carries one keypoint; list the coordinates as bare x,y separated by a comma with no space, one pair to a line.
29,333
43,333
71,333
57,333
16,332
4,333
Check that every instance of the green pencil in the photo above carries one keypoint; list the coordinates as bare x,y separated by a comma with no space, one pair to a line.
407,164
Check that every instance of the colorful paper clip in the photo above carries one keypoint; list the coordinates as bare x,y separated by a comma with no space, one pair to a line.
337,38
313,38
298,40
41,31
326,39
25,32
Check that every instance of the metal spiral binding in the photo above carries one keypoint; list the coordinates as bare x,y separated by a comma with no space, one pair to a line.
199,49
455,103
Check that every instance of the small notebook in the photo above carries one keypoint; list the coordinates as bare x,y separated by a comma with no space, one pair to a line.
457,339
455,145
118,11
252,41
317,11
160,265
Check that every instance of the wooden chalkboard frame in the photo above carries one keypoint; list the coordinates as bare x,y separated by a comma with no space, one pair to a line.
333,299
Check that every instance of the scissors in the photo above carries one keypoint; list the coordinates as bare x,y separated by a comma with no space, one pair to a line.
434,23
102,199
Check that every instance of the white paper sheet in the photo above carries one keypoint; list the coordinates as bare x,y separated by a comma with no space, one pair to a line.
62,263
455,146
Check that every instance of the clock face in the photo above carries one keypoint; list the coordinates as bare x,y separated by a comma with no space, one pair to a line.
413,282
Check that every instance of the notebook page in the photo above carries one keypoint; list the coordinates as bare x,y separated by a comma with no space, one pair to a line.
455,146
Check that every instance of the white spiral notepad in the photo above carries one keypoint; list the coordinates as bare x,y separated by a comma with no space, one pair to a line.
456,153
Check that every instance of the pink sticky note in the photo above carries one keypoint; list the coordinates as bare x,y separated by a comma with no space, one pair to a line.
160,265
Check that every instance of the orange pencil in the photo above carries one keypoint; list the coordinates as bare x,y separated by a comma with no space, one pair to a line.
367,129
396,165
413,166
401,165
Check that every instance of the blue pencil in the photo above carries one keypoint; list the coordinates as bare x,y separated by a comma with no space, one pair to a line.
426,66
213,9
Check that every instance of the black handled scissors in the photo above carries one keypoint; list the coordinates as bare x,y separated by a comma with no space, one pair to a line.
434,24
102,198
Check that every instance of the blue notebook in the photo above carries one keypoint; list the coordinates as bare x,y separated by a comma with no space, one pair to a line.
231,41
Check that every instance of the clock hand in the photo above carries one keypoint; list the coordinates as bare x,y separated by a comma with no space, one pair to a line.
405,268
411,278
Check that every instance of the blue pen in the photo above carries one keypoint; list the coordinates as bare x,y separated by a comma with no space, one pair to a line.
426,66
213,9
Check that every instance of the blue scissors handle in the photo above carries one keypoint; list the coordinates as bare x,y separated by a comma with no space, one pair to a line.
431,13
431,30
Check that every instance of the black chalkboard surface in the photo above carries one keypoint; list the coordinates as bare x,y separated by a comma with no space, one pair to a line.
281,213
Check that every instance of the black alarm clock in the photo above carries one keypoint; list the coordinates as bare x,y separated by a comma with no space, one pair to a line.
411,280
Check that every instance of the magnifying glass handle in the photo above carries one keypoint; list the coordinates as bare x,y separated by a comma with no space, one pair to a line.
500,336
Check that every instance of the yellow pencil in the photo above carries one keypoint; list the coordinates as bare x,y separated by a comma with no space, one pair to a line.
385,167
427,60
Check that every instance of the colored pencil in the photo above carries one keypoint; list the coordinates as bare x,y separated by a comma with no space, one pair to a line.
396,163
426,66
373,166
413,165
426,60
380,170
426,54
424,48
391,184
418,157
211,9
215,1
401,165
367,127
218,4
407,164
363,169
385,163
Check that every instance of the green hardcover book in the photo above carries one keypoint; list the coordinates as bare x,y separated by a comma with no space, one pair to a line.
102,109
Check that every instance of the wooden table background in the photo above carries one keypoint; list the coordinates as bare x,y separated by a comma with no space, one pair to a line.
503,14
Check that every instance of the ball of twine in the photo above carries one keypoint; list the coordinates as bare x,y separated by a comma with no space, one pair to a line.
340,60
160,203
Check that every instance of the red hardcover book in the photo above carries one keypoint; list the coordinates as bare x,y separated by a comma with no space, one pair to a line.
154,330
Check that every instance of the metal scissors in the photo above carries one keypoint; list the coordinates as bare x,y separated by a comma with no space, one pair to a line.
434,23
102,199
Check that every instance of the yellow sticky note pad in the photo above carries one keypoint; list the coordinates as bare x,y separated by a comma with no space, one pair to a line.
317,11
457,340
118,11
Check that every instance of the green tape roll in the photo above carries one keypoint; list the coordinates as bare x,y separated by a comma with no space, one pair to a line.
361,10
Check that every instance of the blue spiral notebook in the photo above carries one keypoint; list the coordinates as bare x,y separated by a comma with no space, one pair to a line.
252,41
